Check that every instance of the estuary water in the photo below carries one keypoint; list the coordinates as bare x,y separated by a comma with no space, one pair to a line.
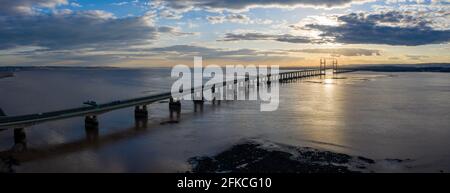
382,116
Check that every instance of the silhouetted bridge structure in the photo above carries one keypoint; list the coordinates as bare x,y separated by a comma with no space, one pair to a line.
91,112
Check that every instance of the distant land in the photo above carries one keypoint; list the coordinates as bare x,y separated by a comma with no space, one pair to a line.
23,68
429,67
7,71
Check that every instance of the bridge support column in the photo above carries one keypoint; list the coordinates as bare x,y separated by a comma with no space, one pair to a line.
91,122
213,91
198,101
20,140
174,107
140,112
257,80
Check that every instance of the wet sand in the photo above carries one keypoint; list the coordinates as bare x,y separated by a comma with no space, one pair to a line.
262,157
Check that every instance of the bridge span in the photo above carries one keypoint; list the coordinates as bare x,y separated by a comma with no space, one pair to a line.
91,112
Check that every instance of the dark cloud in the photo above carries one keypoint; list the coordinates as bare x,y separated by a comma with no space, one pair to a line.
392,28
26,7
248,36
342,51
241,4
188,51
235,18
86,29
281,38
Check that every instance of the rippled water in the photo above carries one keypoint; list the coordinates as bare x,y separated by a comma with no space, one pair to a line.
377,115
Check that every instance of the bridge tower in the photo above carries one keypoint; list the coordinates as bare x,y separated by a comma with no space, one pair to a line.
323,65
335,66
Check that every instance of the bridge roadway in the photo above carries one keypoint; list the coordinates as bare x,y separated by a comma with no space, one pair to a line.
21,121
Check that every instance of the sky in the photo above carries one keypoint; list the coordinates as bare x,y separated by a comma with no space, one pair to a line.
153,33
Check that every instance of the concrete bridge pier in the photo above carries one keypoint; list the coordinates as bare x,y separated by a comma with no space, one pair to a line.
174,107
91,122
213,94
141,112
199,101
20,140
257,80
247,81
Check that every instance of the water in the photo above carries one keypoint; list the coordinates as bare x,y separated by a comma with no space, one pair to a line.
377,115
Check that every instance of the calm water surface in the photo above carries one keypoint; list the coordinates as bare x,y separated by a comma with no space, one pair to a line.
377,115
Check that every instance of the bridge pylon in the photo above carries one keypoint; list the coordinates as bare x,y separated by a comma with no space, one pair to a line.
323,65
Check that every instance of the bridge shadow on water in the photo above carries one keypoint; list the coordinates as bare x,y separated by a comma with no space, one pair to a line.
21,153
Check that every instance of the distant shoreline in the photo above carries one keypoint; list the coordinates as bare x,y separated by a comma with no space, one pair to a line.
421,67
409,68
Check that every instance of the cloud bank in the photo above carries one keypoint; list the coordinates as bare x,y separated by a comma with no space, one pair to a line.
391,28
342,51
274,37
244,5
